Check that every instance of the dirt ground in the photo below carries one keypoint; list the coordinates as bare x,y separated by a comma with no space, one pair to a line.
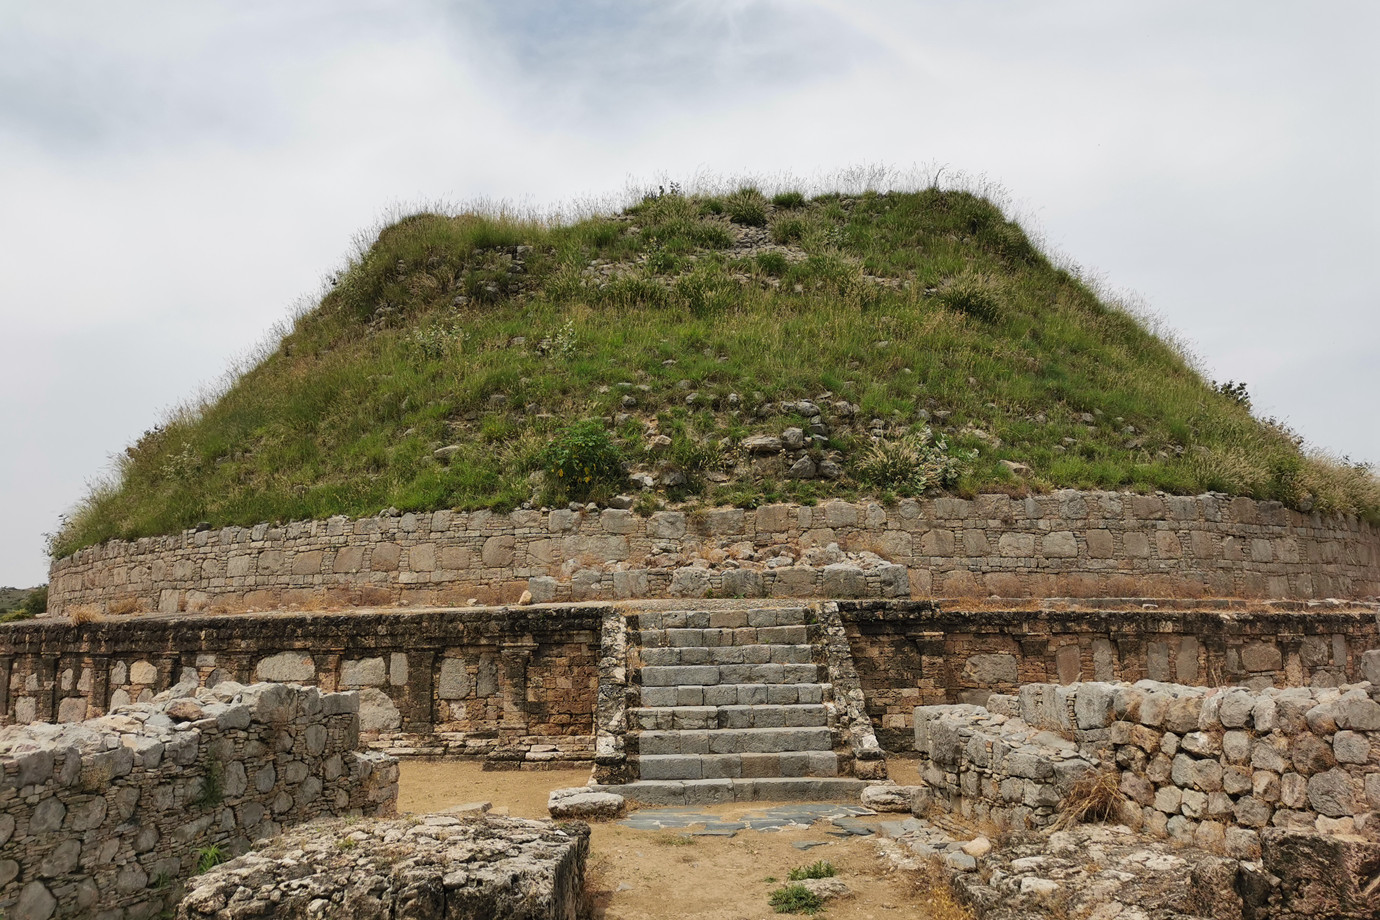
652,875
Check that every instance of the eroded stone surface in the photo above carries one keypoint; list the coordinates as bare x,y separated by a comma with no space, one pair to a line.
436,867
1100,871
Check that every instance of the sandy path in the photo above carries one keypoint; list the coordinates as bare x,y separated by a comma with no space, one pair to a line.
652,875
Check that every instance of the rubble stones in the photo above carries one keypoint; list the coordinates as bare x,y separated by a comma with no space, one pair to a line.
1102,871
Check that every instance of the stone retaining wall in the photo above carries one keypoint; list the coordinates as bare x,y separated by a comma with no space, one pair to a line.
510,684
105,818
920,653
1211,767
1067,544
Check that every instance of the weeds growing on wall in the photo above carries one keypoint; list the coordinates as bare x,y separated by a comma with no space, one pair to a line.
490,334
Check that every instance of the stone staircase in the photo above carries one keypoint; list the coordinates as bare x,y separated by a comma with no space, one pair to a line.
737,703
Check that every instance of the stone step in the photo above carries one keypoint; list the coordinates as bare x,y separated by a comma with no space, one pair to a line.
707,675
724,619
734,741
720,791
716,637
726,694
728,654
737,766
666,718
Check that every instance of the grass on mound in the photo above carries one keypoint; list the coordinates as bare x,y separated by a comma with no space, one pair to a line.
927,310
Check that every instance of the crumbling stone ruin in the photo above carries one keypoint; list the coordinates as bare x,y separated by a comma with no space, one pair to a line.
429,868
1122,644
1210,767
106,818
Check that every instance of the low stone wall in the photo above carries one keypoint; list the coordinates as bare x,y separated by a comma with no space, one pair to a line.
520,684
508,684
920,653
429,869
105,818
1212,767
1067,544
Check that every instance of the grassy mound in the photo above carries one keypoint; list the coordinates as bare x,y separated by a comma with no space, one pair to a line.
448,364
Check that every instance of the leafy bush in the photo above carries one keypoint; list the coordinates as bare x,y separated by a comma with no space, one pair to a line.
795,899
584,460
912,464
35,602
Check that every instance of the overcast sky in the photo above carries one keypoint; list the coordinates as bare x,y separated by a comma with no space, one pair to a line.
175,176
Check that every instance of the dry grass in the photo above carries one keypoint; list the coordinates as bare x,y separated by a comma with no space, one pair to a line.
1095,797
124,606
85,613
940,902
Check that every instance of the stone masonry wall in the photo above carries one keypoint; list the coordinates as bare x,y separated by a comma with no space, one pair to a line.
1066,544
919,653
1210,767
105,818
510,684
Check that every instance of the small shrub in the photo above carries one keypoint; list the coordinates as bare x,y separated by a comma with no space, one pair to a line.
788,200
912,464
583,459
788,230
1235,391
747,207
972,295
821,869
208,857
1094,797
795,899
212,791
773,263
346,843
35,602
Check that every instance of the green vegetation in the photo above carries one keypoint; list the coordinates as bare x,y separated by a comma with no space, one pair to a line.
22,604
821,869
208,857
487,339
795,899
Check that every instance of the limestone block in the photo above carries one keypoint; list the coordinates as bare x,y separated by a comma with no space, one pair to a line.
1061,544
348,560
308,563
1260,656
543,588
142,672
454,680
843,579
1016,544
362,672
377,712
286,667
987,670
422,558
499,551
384,557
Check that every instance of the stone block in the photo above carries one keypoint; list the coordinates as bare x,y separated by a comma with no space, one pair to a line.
362,672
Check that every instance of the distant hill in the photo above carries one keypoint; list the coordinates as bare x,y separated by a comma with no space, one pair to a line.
721,350
11,598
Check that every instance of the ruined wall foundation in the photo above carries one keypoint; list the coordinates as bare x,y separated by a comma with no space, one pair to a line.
105,818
